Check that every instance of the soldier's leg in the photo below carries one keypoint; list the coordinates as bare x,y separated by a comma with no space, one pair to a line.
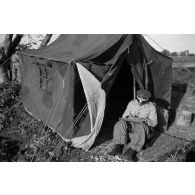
120,132
119,137
138,136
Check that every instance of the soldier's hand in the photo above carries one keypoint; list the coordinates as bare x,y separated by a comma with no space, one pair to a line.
149,122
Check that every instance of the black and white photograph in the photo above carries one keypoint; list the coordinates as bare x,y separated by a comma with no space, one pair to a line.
97,98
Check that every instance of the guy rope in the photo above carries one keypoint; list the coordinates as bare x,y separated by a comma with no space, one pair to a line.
53,108
81,112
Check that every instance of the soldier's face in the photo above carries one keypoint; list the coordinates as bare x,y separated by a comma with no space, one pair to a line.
141,100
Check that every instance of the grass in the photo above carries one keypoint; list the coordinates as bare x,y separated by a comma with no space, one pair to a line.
183,59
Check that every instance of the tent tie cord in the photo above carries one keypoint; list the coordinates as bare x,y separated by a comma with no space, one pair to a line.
53,108
154,41
73,60
6,61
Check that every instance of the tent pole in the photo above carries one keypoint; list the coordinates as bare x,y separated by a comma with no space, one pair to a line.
134,88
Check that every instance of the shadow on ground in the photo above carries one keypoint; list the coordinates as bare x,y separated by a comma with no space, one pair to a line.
8,149
190,154
178,91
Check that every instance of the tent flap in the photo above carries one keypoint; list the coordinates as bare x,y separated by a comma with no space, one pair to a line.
96,99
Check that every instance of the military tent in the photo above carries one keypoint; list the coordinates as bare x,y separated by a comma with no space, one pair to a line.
69,84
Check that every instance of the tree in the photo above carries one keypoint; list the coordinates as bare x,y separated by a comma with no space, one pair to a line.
191,54
174,53
6,51
10,44
46,40
166,52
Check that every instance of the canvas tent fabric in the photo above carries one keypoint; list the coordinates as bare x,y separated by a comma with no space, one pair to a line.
96,99
59,80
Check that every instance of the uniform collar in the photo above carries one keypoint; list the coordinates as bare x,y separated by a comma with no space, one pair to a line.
143,103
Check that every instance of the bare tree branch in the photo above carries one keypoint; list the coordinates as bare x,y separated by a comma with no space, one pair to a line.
16,41
7,44
31,38
45,40
2,55
6,52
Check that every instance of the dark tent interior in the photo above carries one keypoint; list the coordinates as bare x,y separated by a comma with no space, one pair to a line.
119,96
121,93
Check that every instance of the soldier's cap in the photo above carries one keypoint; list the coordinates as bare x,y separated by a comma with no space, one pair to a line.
143,93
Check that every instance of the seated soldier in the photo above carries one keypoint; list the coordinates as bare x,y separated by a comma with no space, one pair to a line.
135,127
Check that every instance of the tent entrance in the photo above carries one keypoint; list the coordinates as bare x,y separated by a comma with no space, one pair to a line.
120,94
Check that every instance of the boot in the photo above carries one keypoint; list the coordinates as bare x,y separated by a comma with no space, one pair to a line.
117,150
130,155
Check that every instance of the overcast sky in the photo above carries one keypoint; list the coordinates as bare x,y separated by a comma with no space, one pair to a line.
175,42
171,42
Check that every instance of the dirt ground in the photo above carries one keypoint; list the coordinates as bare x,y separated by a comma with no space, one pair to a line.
23,138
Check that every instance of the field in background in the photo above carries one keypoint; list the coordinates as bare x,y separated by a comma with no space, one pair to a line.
184,61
